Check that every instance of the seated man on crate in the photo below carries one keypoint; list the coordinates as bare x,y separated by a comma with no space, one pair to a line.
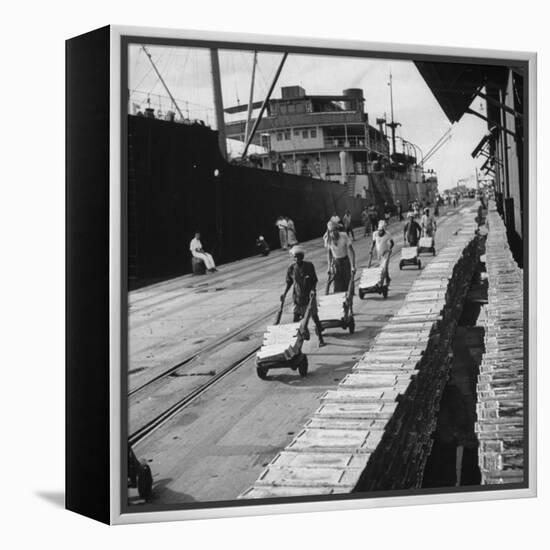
198,252
384,244
302,275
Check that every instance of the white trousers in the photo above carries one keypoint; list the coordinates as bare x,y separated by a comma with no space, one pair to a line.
206,258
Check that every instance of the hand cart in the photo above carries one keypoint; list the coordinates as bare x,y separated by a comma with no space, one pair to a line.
139,475
409,256
426,244
282,345
336,310
373,280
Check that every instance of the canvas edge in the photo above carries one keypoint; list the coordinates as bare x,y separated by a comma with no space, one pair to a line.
117,517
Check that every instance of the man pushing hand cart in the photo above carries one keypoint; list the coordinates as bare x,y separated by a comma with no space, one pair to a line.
301,275
377,279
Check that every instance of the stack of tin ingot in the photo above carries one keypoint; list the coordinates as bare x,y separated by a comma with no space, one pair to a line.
500,425
281,343
374,431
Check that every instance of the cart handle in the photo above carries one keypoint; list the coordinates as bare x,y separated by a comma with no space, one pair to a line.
280,312
330,279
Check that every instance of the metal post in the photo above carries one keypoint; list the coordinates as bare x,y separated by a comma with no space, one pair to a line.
264,105
218,102
251,97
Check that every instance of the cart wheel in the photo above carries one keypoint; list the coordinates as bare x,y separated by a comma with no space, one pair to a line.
145,481
361,294
351,325
302,367
400,266
433,251
261,372
385,291
419,264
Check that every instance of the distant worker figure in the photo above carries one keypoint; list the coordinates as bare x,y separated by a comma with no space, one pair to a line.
262,246
373,217
383,242
399,210
197,251
340,257
291,236
365,220
346,220
387,212
411,231
428,224
283,230
302,275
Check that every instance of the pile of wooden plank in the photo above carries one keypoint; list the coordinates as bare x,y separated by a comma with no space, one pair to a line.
331,306
374,431
500,420
281,343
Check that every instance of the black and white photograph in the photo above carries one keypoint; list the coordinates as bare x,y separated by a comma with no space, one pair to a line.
326,260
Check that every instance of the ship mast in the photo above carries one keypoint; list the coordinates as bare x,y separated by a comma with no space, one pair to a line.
162,81
251,97
264,105
393,125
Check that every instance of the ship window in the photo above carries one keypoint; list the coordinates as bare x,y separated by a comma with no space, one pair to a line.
291,108
313,133
296,133
304,134
287,134
279,136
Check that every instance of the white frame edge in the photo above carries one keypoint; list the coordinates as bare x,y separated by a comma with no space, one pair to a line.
117,517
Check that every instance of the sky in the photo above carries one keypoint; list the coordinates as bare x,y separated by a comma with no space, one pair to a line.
187,74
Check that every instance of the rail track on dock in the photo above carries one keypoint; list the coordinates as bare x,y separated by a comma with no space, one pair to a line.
176,405
141,433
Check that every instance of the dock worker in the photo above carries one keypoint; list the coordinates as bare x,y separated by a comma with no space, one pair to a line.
373,217
283,231
291,237
340,257
387,212
383,242
262,246
428,224
302,275
197,251
399,210
346,220
411,230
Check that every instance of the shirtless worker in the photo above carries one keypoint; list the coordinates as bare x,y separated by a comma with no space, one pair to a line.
302,275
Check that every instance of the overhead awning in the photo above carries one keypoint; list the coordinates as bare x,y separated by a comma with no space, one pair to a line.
480,147
455,85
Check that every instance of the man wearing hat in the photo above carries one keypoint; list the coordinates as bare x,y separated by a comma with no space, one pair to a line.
302,275
340,256
262,246
383,242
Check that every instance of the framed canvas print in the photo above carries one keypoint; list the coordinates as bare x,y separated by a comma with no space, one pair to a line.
300,274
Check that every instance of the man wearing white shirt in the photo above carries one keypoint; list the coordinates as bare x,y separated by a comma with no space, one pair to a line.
197,252
384,244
